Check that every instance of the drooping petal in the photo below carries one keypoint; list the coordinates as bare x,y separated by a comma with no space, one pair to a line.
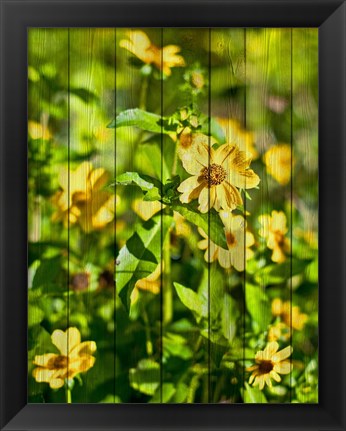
203,200
275,376
229,196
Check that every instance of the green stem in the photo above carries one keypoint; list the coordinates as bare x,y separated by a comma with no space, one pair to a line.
149,343
218,389
167,290
192,389
68,395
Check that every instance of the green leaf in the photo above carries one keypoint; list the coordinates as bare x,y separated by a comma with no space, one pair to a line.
163,394
192,300
47,272
146,377
253,395
150,160
219,345
35,315
204,221
141,255
149,185
145,182
139,118
176,345
229,316
180,393
258,306
280,272
152,195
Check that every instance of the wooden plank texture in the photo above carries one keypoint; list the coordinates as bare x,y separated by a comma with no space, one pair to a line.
173,215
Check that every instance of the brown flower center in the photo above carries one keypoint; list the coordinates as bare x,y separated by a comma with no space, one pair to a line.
265,367
59,362
214,174
230,238
280,239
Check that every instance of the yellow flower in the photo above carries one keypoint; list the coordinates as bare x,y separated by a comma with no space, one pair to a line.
216,174
274,229
164,59
37,131
151,283
234,255
279,162
239,136
74,358
290,314
83,199
269,364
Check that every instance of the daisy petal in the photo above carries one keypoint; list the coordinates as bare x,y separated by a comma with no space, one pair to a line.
283,354
284,367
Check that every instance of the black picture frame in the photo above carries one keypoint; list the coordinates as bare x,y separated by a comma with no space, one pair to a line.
16,18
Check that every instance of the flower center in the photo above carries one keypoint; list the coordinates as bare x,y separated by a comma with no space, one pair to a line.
280,239
214,174
230,238
60,362
265,367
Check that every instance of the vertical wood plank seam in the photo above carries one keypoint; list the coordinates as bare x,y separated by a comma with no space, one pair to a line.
68,190
209,264
244,305
291,208
161,238
115,213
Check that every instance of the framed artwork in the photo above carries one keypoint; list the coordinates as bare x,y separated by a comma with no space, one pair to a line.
172,215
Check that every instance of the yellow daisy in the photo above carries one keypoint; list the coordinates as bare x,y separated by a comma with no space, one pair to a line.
279,162
269,364
83,198
164,59
234,255
290,314
216,174
74,358
273,229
